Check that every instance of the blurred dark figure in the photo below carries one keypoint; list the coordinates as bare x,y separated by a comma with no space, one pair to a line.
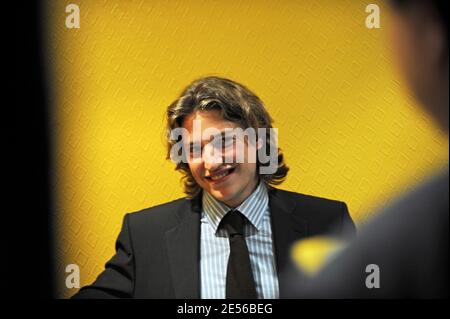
408,240
27,223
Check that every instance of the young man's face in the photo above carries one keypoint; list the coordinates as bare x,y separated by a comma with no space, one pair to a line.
230,183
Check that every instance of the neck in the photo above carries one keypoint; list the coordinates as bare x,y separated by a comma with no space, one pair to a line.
235,202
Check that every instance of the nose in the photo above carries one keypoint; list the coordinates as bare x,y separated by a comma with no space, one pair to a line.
212,158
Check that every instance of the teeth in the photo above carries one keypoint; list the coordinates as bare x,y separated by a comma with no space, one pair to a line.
216,177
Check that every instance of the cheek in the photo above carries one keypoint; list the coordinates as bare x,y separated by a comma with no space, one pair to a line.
248,169
230,156
251,155
244,151
196,170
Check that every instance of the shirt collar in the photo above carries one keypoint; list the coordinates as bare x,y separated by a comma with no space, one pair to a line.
253,207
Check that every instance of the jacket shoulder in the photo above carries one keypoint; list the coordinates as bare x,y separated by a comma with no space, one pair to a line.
159,215
323,215
308,199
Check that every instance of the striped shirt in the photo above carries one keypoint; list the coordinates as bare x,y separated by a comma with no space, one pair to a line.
215,248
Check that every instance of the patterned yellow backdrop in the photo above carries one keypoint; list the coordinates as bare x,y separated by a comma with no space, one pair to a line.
347,125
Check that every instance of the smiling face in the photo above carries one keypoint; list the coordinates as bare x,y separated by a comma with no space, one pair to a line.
230,183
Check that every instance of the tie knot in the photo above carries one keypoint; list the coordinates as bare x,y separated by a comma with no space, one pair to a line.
233,223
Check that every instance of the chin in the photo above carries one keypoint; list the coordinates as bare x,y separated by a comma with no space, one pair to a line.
223,195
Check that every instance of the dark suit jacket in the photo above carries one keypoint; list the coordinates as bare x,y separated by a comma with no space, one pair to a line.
158,249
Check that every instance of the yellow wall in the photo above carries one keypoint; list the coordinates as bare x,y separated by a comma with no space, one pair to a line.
347,126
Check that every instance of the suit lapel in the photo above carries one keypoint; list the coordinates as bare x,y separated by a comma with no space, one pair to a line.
183,244
287,227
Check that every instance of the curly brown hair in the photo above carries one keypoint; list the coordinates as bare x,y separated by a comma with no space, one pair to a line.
237,104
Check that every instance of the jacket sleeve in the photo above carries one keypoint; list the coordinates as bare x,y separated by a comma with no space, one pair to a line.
117,280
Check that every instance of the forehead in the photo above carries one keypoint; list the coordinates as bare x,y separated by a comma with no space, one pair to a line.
207,120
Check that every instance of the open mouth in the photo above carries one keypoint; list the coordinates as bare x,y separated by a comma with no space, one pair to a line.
221,174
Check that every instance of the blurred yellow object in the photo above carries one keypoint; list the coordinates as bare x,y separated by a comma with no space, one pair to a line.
311,254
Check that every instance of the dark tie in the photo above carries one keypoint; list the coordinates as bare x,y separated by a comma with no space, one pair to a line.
240,283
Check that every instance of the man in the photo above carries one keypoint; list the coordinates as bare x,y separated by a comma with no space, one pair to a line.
403,253
230,237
